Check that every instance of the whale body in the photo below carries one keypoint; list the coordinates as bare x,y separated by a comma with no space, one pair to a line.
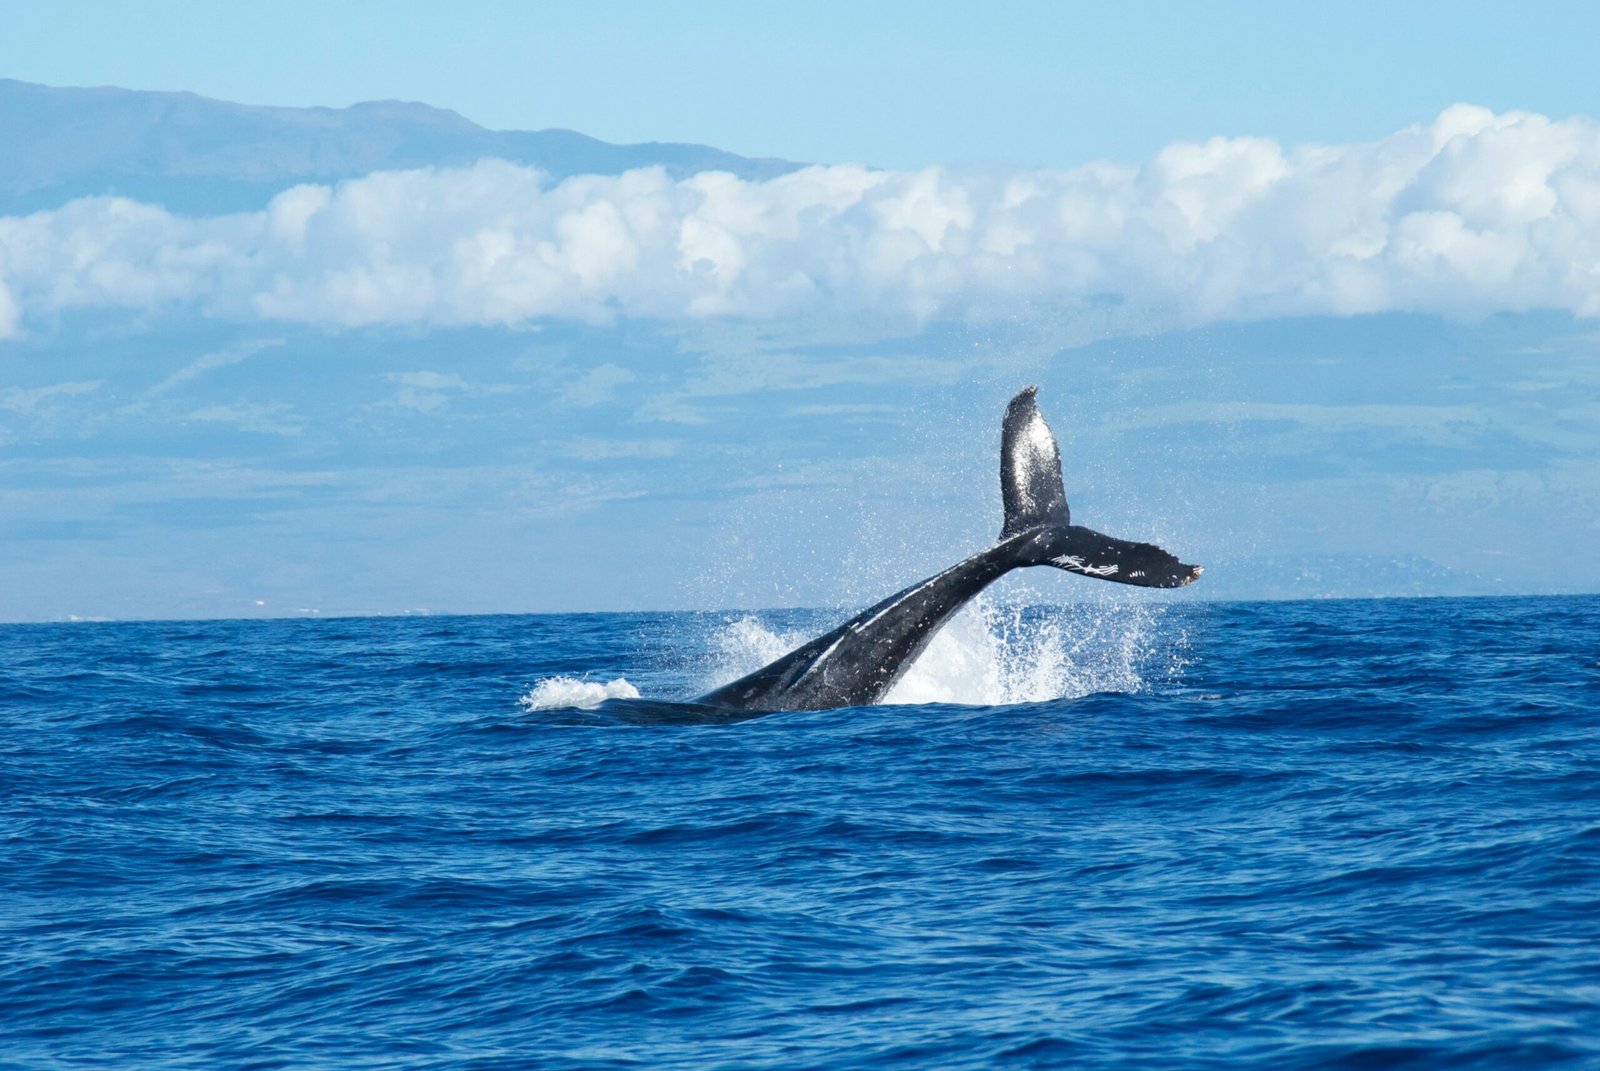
858,662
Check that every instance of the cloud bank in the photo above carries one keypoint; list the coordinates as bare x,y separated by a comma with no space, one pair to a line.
1469,214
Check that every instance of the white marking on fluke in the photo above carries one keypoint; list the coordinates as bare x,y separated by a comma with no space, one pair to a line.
1072,561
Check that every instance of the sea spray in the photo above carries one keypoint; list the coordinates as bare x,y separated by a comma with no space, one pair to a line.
992,653
557,693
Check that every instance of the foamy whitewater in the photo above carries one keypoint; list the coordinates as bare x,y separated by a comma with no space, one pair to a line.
1154,834
988,654
554,693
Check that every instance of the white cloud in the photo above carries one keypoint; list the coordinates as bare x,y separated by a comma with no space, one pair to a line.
425,391
585,449
596,386
266,419
1472,213
219,359
428,380
9,313
18,400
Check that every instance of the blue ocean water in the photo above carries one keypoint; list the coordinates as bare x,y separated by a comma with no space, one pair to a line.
1274,835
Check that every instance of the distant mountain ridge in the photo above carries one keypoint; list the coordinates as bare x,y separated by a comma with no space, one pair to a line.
193,154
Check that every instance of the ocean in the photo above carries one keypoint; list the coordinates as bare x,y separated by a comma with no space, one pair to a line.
1139,835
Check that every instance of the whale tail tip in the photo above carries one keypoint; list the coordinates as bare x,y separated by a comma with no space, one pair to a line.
1030,468
1089,553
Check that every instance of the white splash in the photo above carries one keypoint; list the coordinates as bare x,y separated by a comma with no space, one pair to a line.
991,655
567,693
745,645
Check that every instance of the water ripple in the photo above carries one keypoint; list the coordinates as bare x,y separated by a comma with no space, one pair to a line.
1297,835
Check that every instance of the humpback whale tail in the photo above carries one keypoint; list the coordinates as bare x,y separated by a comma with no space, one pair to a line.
1036,503
860,660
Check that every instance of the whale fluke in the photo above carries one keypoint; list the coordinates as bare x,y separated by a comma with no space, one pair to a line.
1030,468
858,662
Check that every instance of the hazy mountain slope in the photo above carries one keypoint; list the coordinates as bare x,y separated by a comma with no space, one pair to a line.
193,154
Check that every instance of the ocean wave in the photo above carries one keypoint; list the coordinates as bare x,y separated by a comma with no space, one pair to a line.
1268,857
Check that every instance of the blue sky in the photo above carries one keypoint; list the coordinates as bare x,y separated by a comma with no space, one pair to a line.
893,84
1311,299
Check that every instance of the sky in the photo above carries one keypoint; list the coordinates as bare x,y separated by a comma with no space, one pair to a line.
892,84
1310,301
